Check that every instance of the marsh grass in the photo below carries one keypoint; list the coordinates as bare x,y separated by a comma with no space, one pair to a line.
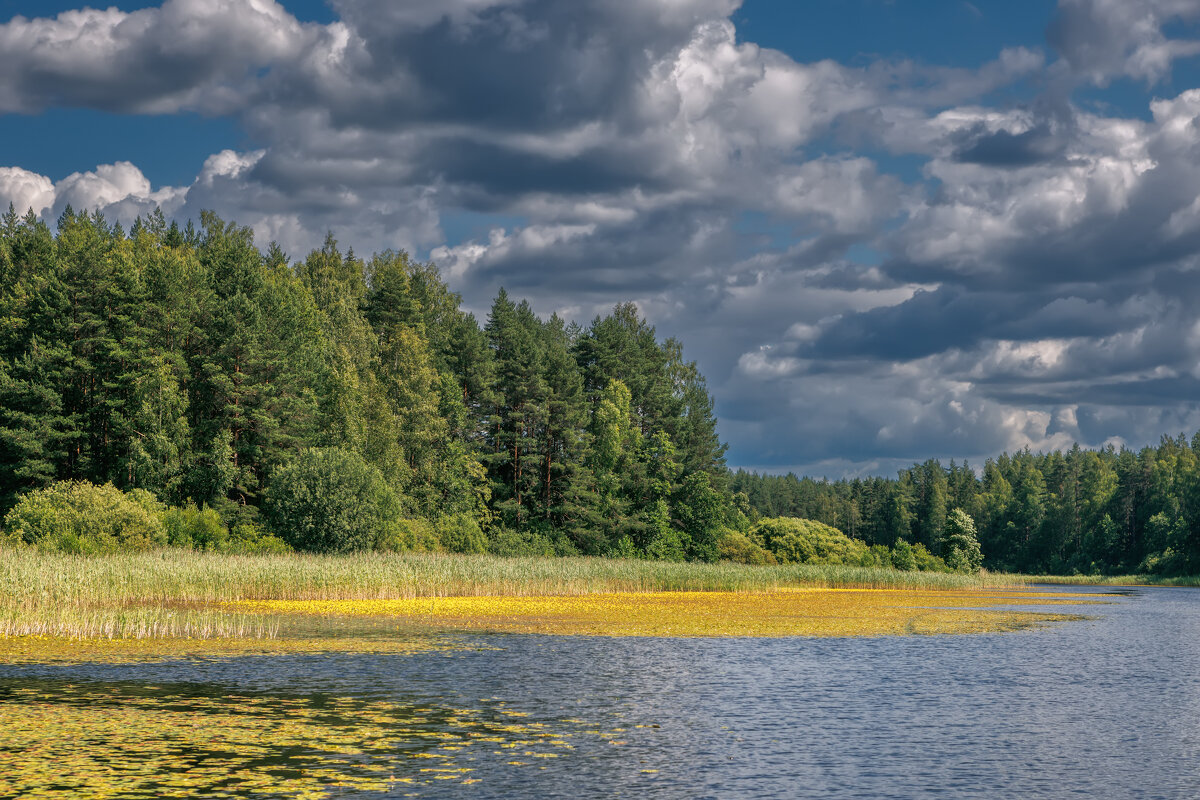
1112,580
187,576
83,621
171,593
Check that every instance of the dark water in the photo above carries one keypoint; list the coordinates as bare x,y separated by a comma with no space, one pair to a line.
1104,708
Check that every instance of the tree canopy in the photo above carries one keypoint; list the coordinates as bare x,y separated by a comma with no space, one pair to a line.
189,364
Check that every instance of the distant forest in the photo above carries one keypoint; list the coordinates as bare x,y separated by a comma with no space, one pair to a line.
184,362
1081,511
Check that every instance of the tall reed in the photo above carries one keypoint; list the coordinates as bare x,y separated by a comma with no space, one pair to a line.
159,594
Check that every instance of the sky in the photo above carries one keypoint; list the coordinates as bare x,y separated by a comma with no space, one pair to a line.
887,230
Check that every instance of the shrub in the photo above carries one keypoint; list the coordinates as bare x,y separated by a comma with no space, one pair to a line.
902,556
738,547
460,533
511,542
877,555
805,541
625,548
80,517
401,535
927,561
201,529
248,538
668,544
330,501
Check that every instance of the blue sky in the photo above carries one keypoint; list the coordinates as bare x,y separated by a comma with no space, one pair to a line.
885,230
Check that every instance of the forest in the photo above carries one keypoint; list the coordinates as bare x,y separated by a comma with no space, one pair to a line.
184,364
1088,512
235,395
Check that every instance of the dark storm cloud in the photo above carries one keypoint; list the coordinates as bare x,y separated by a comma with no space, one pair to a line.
926,324
1005,149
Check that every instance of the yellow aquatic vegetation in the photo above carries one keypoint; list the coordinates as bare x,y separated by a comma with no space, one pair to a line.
784,612
54,649
97,740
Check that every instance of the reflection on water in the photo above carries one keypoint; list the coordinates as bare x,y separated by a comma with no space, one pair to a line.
1102,708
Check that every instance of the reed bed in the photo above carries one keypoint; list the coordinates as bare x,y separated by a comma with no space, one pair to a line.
1113,580
171,593
183,576
82,621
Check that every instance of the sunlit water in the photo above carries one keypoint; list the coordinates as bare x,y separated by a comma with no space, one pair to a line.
1104,708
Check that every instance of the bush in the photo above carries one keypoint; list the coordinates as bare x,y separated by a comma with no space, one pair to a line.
190,527
409,535
511,542
625,548
460,533
877,555
804,541
80,517
668,544
738,547
248,538
330,501
927,561
902,556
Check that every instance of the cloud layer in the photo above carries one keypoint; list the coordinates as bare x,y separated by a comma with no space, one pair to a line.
1031,283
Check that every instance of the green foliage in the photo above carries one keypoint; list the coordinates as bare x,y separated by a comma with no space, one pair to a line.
200,529
532,542
741,549
666,542
80,517
249,538
461,534
624,548
700,510
960,545
927,561
409,535
804,541
903,557
1093,512
330,501
877,555
191,364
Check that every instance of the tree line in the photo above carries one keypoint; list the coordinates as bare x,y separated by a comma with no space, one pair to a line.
231,386
1106,511
184,363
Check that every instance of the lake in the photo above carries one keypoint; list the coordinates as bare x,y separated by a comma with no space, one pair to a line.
1108,707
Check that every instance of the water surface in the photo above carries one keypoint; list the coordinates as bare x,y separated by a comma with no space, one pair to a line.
1104,708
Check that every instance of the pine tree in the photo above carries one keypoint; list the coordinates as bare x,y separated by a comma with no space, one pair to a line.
517,411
